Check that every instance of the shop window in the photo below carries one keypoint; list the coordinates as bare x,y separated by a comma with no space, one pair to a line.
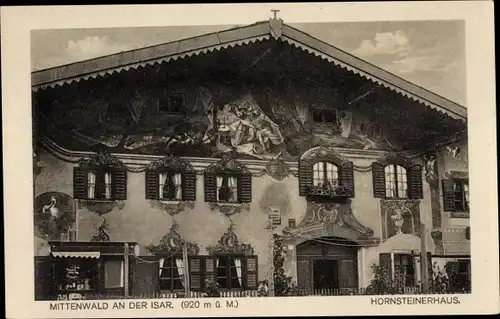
171,274
325,174
75,275
172,103
113,274
456,195
397,181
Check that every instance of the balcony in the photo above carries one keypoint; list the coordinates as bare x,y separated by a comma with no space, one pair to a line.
327,193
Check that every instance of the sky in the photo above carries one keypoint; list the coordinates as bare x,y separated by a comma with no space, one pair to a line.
430,54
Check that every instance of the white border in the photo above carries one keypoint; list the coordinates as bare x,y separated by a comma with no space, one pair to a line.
16,25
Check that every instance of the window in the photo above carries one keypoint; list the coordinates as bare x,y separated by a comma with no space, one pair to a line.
171,274
172,103
113,274
100,182
404,266
456,195
170,186
325,174
396,184
461,194
229,272
324,116
459,272
91,184
227,188
394,180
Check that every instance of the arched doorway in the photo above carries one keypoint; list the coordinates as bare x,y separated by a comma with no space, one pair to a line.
327,264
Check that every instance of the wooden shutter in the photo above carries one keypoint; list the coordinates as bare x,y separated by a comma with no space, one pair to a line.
304,276
80,181
347,178
195,272
378,176
414,179
210,187
385,261
305,177
119,183
348,274
189,186
44,278
209,270
251,279
448,195
145,277
152,184
245,187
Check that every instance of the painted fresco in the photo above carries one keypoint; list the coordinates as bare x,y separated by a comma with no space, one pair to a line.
254,123
54,216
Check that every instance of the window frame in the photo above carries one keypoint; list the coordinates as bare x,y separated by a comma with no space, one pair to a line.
171,259
412,263
225,177
325,163
170,175
396,181
243,259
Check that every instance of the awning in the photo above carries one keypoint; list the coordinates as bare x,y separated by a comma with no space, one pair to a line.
76,254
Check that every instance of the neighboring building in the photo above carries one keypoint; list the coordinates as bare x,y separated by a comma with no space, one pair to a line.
210,139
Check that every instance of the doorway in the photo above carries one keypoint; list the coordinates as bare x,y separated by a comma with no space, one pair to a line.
325,274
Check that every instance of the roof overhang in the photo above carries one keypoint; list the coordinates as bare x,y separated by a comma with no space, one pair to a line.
274,28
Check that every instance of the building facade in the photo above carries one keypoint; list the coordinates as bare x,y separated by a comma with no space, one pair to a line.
217,142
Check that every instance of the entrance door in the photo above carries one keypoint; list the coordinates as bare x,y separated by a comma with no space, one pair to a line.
325,274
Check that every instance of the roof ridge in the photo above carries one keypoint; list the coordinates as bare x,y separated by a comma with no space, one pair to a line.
150,46
373,65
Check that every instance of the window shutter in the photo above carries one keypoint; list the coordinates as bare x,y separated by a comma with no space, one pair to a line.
209,270
415,182
145,276
80,181
305,177
448,195
210,186
304,276
251,273
348,274
195,272
378,175
347,178
189,186
152,184
385,260
245,188
119,184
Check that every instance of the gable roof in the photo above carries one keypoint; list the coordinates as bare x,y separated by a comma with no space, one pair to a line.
275,28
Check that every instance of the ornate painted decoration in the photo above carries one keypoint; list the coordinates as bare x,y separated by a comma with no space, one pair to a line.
396,158
172,242
277,168
100,207
102,232
227,163
400,217
323,154
172,162
430,166
102,158
229,209
332,219
54,214
172,208
229,243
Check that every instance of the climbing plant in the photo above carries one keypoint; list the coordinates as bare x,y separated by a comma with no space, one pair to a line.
283,285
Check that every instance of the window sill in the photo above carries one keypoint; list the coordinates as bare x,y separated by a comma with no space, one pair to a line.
460,214
229,209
